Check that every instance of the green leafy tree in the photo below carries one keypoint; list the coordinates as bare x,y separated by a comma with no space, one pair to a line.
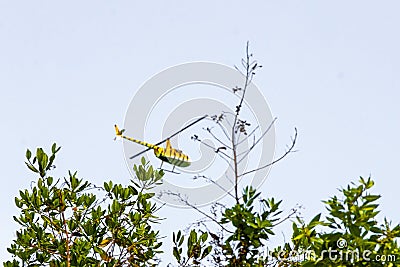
252,228
350,234
70,222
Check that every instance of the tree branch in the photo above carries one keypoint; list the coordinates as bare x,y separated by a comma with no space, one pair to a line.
186,202
278,159
214,182
256,142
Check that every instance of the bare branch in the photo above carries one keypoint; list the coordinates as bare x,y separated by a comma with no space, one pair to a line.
214,182
229,113
217,151
289,150
224,130
238,108
226,176
289,216
216,138
250,134
256,142
187,203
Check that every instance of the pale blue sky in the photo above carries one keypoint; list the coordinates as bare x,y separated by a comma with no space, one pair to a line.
331,68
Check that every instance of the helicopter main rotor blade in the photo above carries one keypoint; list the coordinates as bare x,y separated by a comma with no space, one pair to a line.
178,132
140,153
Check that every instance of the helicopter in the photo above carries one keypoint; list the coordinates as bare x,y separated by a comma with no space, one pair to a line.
168,154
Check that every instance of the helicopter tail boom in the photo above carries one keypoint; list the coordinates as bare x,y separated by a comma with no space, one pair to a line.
119,134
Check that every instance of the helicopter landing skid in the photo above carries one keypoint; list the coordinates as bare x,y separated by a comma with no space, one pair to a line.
169,171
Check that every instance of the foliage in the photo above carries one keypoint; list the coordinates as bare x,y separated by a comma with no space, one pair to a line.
348,236
196,251
251,229
242,241
70,222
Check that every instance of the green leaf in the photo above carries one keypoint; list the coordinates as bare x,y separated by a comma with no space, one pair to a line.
371,198
49,180
176,254
28,154
204,237
206,251
54,148
31,167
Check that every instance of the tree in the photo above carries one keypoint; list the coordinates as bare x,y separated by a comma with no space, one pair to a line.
70,222
243,228
350,234
239,245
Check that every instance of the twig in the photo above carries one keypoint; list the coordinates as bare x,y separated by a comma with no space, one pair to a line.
223,129
214,182
256,142
250,134
275,161
216,138
218,152
186,202
293,211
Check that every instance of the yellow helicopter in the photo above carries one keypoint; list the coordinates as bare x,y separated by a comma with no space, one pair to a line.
168,154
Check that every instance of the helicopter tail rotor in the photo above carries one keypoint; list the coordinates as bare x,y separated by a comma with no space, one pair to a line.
118,133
